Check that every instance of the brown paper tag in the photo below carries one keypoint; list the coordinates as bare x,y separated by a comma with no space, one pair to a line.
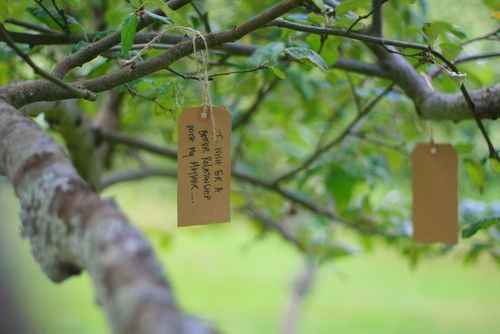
203,167
435,193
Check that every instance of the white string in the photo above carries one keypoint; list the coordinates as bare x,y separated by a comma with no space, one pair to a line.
203,67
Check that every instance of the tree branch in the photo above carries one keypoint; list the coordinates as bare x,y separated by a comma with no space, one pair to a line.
29,92
83,93
71,228
426,99
430,104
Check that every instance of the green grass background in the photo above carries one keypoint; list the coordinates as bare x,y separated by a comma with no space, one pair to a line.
242,284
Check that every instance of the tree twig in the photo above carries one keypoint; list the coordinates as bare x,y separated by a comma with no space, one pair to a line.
49,13
377,4
379,143
495,34
152,99
62,14
31,26
203,17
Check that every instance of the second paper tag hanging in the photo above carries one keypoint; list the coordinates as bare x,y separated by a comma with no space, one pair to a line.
435,193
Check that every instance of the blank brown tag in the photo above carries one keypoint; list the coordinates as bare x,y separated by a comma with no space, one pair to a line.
435,193
203,167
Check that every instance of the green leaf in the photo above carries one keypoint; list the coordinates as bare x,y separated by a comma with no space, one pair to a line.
278,72
308,55
464,148
341,182
450,50
351,5
41,16
433,30
129,28
476,174
473,228
267,55
75,26
13,8
494,165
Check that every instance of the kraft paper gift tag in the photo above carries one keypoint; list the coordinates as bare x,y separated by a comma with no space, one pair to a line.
435,193
203,166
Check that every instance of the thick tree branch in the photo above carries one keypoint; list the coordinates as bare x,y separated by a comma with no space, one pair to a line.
426,99
436,105
71,229
430,104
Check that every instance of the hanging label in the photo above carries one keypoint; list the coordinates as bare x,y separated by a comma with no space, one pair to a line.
203,166
435,193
